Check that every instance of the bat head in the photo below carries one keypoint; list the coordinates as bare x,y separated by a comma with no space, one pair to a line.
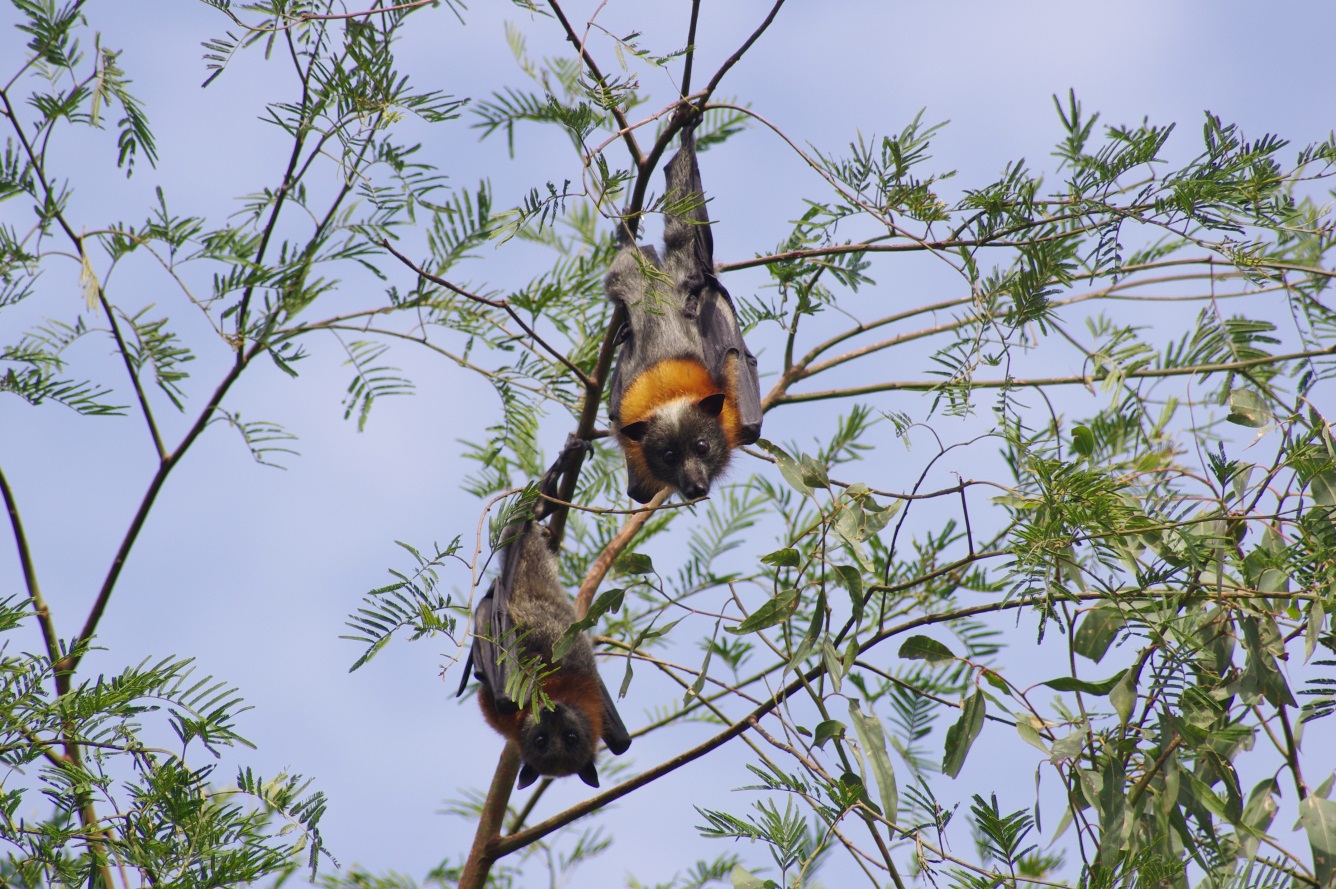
558,742
684,445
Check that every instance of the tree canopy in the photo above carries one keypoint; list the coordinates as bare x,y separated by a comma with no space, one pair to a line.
1029,581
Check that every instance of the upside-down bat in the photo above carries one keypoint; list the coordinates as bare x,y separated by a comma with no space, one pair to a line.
516,625
685,391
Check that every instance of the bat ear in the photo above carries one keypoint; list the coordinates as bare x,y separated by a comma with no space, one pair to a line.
528,775
712,405
635,431
589,774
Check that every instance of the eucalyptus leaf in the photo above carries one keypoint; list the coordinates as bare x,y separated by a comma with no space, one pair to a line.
788,467
1070,683
925,648
775,611
826,730
1318,816
1248,408
873,738
634,563
960,736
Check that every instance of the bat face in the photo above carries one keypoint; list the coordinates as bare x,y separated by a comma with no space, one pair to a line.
558,742
683,444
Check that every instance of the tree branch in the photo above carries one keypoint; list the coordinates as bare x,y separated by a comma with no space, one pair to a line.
44,619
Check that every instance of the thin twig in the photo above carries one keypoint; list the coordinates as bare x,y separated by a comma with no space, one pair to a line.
1088,380
502,304
617,114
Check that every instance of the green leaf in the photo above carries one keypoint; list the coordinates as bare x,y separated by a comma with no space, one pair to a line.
1313,628
851,791
1247,408
788,467
1069,746
814,473
634,563
873,738
783,558
608,602
1070,683
776,611
1322,488
695,688
1318,816
996,681
1096,632
925,648
1123,696
1029,734
851,579
826,730
1083,441
743,879
834,664
961,735
1111,803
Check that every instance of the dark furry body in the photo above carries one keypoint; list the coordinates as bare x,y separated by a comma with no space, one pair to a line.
517,625
685,390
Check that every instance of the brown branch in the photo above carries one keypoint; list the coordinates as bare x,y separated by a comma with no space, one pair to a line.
488,846
323,17
599,568
129,365
742,50
542,829
70,662
691,49
1292,754
49,635
483,853
1160,760
298,143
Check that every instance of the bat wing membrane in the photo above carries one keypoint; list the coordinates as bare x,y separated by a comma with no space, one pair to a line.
615,736
726,354
494,635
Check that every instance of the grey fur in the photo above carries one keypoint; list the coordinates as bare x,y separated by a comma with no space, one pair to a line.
677,308
516,627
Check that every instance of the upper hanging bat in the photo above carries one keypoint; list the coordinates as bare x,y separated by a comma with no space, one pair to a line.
516,625
685,391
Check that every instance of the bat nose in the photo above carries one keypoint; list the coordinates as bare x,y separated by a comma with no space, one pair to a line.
694,489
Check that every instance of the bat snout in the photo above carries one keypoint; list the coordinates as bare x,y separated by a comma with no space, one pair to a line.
692,489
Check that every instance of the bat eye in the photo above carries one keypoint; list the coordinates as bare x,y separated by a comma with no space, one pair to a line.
571,739
702,447
540,740
670,457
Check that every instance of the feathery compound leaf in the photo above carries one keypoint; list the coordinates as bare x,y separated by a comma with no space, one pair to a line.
370,381
413,603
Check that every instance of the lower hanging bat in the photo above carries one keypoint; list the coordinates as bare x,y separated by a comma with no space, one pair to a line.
685,391
516,626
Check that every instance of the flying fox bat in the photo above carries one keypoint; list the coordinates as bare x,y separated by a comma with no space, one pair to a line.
516,626
684,392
